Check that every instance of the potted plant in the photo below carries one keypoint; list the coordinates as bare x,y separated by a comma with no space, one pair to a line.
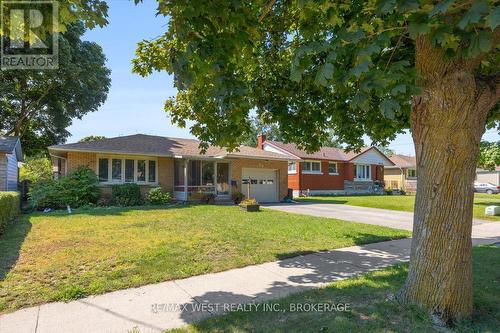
237,197
250,205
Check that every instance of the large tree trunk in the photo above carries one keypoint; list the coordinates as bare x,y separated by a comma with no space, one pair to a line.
448,120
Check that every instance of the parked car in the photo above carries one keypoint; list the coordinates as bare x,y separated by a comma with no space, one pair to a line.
486,188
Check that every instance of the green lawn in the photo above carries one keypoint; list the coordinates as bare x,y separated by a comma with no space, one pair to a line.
56,256
371,309
404,202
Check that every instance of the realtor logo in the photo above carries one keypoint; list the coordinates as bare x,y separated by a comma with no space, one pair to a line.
29,35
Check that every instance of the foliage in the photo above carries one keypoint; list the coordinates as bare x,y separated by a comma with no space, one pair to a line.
388,191
92,138
78,188
237,197
248,202
126,195
310,66
489,156
386,150
38,106
156,196
402,192
9,208
36,169
208,198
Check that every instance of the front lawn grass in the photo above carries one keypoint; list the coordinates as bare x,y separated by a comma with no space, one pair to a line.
371,309
56,256
404,202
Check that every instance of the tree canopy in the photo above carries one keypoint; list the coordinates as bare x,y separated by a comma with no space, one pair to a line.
39,105
310,66
489,156
92,138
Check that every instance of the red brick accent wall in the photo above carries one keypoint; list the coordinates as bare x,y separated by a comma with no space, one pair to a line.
377,172
324,181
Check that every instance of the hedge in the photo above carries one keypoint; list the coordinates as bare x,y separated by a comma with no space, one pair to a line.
9,208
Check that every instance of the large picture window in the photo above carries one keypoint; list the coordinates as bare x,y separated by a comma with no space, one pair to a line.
332,168
362,171
124,170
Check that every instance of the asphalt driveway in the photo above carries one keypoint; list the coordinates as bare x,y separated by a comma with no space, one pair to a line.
383,217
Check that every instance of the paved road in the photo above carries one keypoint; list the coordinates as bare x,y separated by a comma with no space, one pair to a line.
383,217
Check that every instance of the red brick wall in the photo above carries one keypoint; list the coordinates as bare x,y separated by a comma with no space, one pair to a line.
324,181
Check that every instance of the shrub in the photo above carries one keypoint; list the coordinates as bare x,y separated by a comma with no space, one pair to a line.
208,198
402,192
126,195
156,196
79,188
237,197
388,191
9,208
36,169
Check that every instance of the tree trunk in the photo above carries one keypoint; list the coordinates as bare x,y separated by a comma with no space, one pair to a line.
448,121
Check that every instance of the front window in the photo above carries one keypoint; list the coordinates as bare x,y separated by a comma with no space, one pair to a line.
129,171
332,168
292,167
116,169
311,167
103,170
207,173
122,170
362,171
141,171
412,173
152,172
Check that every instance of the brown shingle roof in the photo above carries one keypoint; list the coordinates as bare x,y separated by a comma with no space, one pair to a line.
325,153
403,161
142,144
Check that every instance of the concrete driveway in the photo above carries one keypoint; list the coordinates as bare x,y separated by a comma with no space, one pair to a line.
383,217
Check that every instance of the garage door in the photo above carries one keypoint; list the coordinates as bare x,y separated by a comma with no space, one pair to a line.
263,184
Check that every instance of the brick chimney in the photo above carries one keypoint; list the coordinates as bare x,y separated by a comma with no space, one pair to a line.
260,140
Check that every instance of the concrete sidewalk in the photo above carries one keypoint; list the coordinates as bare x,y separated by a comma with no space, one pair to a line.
154,308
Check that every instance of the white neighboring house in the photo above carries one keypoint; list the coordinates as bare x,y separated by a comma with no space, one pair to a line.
488,176
10,155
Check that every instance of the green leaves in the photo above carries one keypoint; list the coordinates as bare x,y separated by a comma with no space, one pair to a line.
324,74
480,42
418,28
441,7
493,20
389,107
473,15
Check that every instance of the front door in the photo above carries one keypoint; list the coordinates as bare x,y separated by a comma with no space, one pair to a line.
223,179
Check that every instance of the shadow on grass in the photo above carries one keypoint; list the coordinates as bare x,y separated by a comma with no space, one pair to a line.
367,296
10,244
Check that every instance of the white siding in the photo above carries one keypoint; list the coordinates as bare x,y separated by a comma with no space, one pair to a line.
12,172
274,149
371,156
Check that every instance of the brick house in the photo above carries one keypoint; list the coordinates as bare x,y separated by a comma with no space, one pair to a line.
178,166
331,170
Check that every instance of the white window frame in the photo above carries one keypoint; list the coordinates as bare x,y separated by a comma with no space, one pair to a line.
367,167
123,158
408,173
336,169
311,172
294,170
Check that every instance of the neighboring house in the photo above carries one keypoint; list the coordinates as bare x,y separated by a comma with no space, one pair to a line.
330,170
10,154
178,166
403,174
488,176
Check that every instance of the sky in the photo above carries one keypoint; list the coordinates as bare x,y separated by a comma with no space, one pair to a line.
135,104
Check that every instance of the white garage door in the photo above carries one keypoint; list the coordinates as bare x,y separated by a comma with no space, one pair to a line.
263,184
